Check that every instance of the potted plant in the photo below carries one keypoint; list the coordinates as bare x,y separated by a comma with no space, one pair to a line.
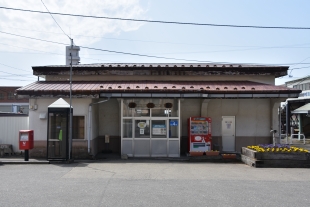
212,153
193,154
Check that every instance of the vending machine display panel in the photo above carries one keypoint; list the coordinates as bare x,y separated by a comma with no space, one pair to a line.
199,134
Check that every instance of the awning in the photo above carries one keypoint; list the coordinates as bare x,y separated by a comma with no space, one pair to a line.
305,109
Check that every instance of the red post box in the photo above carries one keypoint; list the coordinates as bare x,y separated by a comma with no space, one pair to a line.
25,139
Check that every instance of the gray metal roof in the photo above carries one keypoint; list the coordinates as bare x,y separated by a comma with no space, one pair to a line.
163,65
305,109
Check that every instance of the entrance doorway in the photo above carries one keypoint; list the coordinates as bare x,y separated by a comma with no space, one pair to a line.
151,132
228,133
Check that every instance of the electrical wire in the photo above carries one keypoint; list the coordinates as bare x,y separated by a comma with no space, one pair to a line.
12,73
173,43
42,52
55,20
298,68
159,21
13,67
143,55
15,79
298,64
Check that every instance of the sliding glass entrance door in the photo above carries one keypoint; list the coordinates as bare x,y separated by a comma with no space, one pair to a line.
150,132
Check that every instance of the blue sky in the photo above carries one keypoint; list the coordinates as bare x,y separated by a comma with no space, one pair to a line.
203,43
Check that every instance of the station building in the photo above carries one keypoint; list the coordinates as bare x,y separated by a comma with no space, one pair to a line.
142,110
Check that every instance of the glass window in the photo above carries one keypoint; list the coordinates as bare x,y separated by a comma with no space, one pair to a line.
57,135
1,96
140,112
10,95
157,112
127,111
173,128
159,129
127,128
142,128
78,127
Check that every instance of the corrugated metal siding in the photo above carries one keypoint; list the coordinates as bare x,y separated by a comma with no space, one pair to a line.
9,130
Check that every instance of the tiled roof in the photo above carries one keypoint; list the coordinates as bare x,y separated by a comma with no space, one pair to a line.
90,88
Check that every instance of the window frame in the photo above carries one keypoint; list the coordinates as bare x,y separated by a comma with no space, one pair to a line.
84,122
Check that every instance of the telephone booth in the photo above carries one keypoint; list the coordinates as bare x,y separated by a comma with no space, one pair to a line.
58,130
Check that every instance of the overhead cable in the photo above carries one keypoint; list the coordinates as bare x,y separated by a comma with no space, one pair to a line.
55,20
159,21
142,55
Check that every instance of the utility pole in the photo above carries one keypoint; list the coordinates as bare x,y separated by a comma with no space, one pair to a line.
70,119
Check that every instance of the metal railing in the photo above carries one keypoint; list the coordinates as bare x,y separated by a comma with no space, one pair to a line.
292,137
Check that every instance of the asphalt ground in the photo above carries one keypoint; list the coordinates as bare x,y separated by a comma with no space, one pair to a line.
152,183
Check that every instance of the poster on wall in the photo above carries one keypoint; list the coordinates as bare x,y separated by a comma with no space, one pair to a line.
159,129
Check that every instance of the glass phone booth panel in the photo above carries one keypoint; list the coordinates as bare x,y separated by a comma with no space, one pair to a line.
58,134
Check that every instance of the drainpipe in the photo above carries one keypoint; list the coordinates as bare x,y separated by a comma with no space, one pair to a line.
89,122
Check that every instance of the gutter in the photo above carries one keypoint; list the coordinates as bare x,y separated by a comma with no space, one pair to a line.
90,122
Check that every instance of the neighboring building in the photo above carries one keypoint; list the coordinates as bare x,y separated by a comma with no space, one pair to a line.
294,121
300,83
128,108
9,103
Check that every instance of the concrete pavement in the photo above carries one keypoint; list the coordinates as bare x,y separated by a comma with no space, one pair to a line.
152,183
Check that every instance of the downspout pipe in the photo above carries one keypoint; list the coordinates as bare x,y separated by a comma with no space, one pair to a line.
89,123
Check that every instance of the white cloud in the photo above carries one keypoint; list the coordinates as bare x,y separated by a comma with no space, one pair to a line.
29,24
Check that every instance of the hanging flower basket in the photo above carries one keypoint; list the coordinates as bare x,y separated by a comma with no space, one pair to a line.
150,105
168,105
132,105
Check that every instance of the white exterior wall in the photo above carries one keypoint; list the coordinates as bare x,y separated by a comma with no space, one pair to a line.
80,108
253,116
9,128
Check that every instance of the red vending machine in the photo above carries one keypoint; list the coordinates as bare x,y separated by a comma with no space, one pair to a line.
199,134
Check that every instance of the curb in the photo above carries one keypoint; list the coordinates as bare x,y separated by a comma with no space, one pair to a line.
5,162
